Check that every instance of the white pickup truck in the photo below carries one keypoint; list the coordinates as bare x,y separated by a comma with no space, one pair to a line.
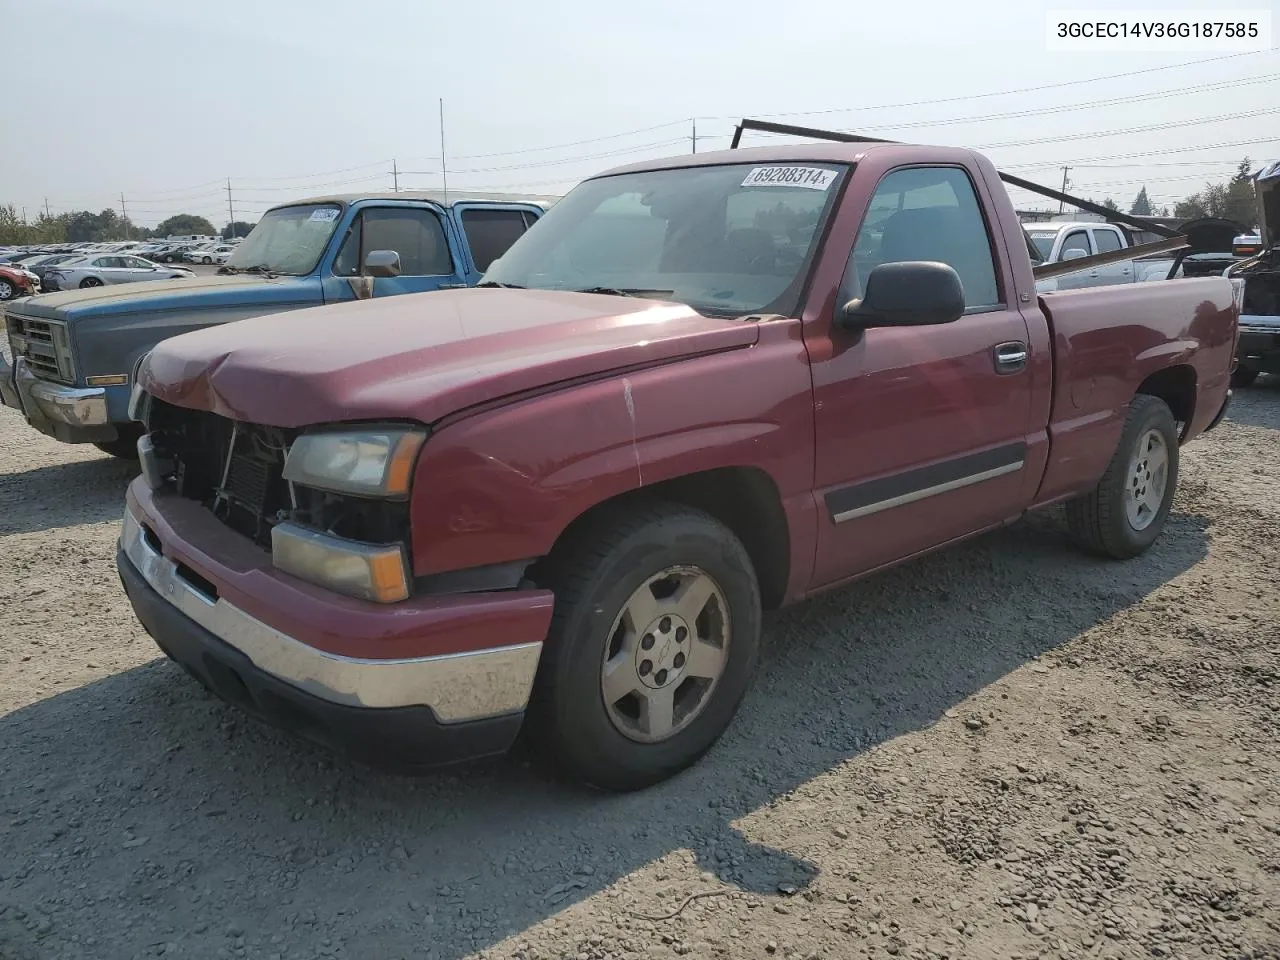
1060,242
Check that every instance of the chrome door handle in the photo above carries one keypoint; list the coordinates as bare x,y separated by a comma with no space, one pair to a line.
1010,357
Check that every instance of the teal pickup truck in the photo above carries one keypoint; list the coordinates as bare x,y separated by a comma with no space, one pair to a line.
75,352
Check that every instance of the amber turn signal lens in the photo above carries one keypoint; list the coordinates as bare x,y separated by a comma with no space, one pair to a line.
400,466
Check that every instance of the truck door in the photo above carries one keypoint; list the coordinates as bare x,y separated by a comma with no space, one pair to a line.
489,231
1077,244
921,432
428,261
1107,239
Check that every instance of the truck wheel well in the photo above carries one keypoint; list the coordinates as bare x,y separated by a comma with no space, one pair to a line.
1176,386
744,499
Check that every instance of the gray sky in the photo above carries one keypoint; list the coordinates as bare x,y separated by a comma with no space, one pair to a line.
164,100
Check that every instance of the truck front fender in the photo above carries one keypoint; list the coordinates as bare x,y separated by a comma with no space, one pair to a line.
502,484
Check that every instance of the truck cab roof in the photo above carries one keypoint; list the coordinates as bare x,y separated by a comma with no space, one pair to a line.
431,196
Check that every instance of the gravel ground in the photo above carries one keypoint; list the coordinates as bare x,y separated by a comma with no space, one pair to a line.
1006,750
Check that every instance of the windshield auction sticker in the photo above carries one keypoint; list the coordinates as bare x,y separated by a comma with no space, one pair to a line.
811,178
324,215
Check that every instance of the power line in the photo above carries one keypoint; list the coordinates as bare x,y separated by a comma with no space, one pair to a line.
1000,93
1199,121
1067,108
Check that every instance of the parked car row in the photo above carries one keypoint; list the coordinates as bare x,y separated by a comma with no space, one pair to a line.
690,391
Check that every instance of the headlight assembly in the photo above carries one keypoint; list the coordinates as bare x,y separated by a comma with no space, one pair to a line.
366,463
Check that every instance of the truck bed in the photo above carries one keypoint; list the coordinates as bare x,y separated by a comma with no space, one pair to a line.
1106,339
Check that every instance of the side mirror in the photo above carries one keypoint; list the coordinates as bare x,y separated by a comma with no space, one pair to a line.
1075,253
913,293
382,263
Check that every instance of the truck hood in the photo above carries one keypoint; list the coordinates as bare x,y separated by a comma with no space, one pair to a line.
422,356
177,294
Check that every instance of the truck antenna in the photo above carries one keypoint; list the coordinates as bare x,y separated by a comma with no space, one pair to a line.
444,169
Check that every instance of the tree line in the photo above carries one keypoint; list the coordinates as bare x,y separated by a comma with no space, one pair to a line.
86,226
1233,199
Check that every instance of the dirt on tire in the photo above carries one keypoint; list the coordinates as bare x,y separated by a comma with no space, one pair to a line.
1008,749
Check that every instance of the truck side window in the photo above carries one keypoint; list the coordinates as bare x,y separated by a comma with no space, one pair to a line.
416,235
926,213
491,232
1106,240
1076,240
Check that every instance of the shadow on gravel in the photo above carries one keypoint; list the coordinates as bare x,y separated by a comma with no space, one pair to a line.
141,803
1257,405
64,494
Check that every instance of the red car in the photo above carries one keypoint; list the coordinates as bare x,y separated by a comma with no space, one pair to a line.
699,388
16,282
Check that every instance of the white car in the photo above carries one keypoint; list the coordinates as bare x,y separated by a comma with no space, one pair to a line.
218,254
101,269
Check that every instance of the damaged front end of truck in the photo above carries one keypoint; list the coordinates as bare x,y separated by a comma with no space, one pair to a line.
1256,282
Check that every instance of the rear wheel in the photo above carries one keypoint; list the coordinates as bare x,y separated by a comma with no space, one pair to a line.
1243,377
652,645
1125,513
90,282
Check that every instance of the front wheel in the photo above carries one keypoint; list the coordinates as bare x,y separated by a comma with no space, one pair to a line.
7,290
1124,514
652,645
88,282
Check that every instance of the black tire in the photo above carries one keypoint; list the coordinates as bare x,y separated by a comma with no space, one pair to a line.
7,290
1243,377
1098,521
125,446
594,573
88,282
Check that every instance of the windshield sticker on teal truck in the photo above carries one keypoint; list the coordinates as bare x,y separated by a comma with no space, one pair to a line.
811,178
326,215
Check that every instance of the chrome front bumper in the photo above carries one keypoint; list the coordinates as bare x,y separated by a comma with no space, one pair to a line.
457,687
40,399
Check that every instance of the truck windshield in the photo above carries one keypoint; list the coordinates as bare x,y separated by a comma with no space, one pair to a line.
1043,241
727,240
287,240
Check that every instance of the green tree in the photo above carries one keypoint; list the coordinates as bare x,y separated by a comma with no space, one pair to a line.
184,223
239,228
1141,206
107,225
1233,200
1110,204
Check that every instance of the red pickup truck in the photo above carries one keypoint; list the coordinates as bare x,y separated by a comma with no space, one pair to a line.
697,389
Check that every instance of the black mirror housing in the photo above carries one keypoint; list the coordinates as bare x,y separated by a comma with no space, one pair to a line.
914,293
382,263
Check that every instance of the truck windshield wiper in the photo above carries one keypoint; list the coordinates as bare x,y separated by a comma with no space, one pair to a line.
261,268
504,286
626,291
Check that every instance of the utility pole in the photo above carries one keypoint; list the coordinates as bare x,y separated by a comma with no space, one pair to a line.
1065,184
395,176
124,218
444,170
47,214
231,211
694,138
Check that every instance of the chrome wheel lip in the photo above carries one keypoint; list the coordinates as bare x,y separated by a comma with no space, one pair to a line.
1147,480
630,656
